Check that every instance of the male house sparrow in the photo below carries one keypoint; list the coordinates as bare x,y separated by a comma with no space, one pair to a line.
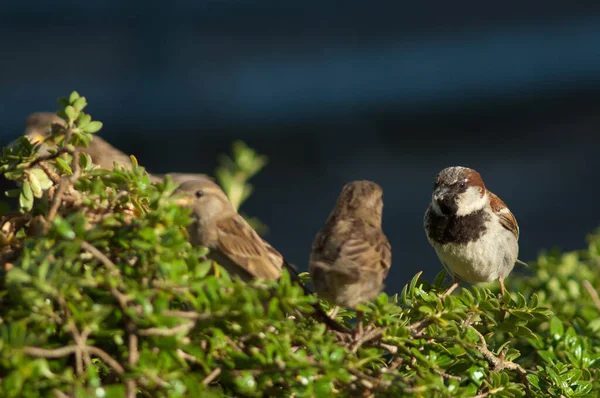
351,255
471,229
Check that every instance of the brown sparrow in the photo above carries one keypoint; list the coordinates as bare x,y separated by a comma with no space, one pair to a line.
351,255
218,226
103,154
471,229
232,242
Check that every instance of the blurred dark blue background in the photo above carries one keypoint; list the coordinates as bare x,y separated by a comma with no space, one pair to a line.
332,92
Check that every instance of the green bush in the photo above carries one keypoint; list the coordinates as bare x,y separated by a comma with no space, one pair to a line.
102,295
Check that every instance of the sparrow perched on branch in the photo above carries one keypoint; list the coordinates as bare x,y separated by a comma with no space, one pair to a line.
351,255
218,226
233,243
103,154
472,231
38,125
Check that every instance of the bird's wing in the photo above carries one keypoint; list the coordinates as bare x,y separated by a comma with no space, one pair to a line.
365,250
242,245
507,219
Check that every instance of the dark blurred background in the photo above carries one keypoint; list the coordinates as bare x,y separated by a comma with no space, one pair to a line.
334,91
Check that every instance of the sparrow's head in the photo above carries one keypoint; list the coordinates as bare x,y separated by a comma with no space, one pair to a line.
206,199
458,191
361,199
39,124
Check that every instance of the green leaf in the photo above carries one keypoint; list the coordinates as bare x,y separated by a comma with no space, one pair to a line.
92,127
73,97
71,113
79,104
556,328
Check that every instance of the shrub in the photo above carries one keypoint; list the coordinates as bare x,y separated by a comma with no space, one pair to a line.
102,295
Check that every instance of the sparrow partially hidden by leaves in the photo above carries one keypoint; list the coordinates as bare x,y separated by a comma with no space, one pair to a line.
218,226
472,231
103,154
38,126
233,243
351,255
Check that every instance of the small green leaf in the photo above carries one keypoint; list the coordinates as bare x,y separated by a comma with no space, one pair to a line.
71,113
92,127
556,328
26,189
73,97
42,178
80,103
36,188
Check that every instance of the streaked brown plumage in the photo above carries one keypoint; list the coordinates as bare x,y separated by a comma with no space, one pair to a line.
233,243
351,255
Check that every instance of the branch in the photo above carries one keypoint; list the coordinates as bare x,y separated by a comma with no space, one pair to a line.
373,334
211,376
184,327
134,356
197,316
59,394
68,350
489,393
592,293
50,156
101,257
497,363
60,190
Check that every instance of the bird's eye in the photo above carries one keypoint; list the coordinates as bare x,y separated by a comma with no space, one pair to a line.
463,183
199,193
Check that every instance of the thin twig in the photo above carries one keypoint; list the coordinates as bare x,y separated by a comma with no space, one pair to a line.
419,327
197,316
373,381
185,356
52,174
184,327
50,156
80,345
75,166
211,376
59,394
58,194
70,349
132,361
446,375
371,335
49,352
489,393
100,257
497,363
592,293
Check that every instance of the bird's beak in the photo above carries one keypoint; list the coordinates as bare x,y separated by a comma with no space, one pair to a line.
183,201
439,193
36,138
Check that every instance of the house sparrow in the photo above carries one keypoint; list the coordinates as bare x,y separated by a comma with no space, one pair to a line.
218,226
351,255
471,229
232,242
103,154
